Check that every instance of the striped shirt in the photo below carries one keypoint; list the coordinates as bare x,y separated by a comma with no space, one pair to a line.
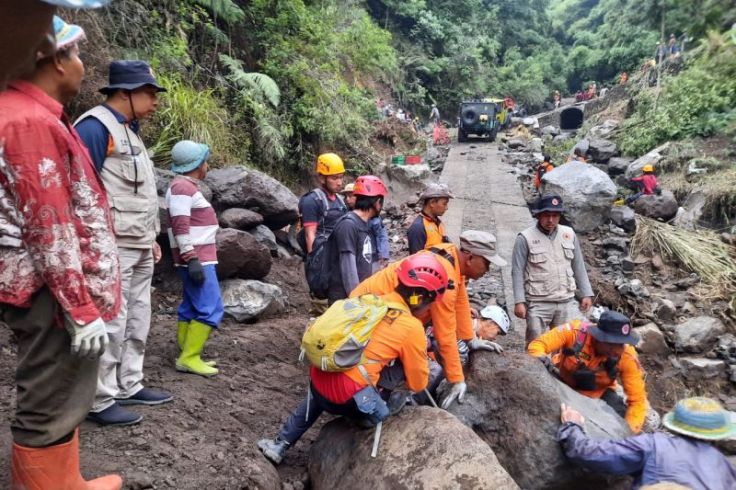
192,223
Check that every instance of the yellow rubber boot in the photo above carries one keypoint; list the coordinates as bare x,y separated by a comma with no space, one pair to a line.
190,361
182,328
55,467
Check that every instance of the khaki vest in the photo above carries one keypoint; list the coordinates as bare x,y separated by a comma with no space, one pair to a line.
130,184
548,275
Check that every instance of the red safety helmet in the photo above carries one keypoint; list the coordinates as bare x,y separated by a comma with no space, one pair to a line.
423,270
369,185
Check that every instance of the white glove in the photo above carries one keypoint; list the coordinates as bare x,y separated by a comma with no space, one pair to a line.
88,340
480,344
457,391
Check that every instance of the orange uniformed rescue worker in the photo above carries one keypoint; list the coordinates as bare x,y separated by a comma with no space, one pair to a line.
450,316
590,357
396,353
427,230
545,167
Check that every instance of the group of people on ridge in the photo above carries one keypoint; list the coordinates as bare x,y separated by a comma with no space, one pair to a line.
78,229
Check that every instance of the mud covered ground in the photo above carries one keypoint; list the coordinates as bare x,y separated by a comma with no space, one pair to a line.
206,437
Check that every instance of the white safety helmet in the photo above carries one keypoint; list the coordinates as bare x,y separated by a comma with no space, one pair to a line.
497,315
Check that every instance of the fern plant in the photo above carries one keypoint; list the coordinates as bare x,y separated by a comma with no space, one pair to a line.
226,10
259,96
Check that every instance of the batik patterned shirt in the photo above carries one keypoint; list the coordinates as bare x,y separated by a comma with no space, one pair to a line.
55,227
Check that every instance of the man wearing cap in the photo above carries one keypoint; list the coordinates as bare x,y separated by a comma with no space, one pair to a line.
686,457
427,230
450,317
59,279
547,267
192,229
110,131
591,357
382,253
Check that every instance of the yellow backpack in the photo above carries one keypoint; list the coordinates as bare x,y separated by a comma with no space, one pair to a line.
336,340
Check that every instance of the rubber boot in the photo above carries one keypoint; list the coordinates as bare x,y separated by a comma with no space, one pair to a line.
182,328
189,360
55,467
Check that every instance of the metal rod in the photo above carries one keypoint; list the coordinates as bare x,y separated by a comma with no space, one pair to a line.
376,439
431,400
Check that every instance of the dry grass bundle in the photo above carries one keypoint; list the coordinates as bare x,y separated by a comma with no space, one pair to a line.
700,251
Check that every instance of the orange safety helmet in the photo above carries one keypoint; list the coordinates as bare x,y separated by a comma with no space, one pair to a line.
330,164
369,185
423,270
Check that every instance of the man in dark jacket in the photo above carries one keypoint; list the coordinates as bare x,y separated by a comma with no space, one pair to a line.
660,457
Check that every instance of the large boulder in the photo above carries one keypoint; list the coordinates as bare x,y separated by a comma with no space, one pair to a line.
164,178
652,158
601,150
700,368
264,235
624,217
698,334
245,299
248,188
618,165
603,130
692,209
663,206
163,215
421,447
651,340
514,405
240,218
587,194
240,255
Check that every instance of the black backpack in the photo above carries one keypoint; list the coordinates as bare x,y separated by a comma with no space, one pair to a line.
320,262
301,238
317,267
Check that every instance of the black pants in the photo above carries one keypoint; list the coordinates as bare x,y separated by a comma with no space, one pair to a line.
55,389
615,401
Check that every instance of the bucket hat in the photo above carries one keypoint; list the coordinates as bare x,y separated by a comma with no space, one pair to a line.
66,34
701,418
78,4
551,203
614,328
481,243
130,75
187,155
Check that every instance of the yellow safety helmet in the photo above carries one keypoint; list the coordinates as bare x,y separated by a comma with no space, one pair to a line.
330,164
648,168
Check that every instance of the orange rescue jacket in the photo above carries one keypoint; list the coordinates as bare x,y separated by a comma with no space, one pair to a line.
450,316
562,338
403,339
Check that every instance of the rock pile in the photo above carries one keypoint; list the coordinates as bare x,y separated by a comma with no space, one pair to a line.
249,204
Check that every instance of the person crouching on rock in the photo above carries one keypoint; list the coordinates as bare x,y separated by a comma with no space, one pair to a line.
396,353
591,357
192,229
646,184
685,457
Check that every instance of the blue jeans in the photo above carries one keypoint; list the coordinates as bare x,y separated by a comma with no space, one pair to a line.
366,406
201,303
